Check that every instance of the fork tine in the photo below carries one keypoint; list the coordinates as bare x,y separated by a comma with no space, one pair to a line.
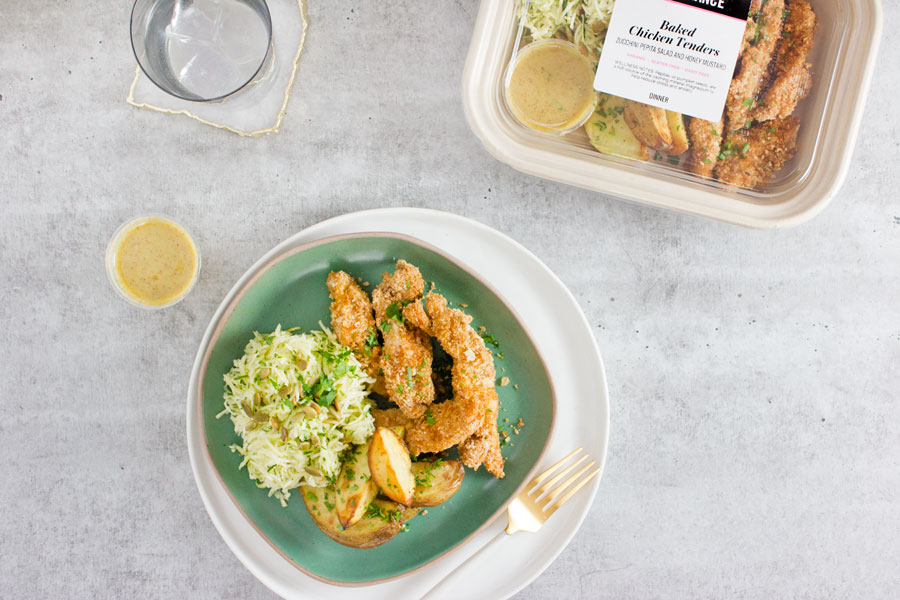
534,482
551,508
552,481
562,487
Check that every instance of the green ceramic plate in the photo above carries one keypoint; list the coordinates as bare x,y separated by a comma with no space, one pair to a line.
291,291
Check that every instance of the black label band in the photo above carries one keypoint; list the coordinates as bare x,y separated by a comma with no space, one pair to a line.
738,9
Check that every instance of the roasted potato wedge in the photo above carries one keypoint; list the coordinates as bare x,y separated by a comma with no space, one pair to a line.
649,124
377,525
355,488
436,481
679,133
608,132
391,467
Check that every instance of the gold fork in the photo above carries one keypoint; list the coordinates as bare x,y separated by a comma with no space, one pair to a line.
533,506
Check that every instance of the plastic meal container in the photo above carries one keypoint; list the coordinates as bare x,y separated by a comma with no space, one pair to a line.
843,58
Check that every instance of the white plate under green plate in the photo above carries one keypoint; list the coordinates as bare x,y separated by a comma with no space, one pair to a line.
575,368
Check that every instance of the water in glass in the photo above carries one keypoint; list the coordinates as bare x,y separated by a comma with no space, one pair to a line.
211,47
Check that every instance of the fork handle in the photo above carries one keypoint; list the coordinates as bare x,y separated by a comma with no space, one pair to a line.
445,586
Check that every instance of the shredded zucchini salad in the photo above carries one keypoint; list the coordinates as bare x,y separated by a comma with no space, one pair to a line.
298,400
582,22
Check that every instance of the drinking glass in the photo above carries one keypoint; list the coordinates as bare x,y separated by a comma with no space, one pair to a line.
202,50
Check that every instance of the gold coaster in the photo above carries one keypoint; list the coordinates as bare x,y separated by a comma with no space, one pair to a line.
257,110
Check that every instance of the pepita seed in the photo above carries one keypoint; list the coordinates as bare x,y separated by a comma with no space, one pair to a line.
264,372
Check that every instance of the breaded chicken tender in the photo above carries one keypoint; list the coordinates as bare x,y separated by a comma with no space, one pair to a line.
353,321
416,316
750,30
406,355
389,417
791,76
483,446
706,141
759,154
455,420
754,66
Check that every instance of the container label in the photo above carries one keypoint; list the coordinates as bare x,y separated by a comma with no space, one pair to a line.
675,54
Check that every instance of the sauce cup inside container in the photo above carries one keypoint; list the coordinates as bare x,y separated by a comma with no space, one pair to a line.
550,86
152,261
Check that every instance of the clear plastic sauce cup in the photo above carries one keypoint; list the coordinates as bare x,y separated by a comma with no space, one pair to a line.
152,261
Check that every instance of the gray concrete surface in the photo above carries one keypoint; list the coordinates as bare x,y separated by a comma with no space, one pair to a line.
755,448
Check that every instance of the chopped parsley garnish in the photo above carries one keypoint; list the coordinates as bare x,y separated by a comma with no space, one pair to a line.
425,478
429,418
395,313
490,339
373,511
322,391
371,340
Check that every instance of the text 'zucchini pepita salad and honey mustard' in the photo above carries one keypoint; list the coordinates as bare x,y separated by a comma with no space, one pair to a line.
710,87
304,407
